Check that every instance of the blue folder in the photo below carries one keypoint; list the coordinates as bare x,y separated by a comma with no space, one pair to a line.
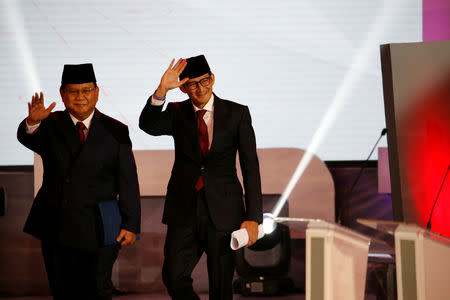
112,221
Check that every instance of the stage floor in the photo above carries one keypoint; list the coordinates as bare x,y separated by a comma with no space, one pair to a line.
202,296
166,297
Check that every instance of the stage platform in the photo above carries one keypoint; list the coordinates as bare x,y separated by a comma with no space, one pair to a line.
202,297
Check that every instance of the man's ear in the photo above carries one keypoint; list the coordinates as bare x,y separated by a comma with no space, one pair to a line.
183,89
61,92
97,90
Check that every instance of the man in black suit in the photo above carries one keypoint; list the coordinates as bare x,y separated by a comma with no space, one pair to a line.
87,159
204,197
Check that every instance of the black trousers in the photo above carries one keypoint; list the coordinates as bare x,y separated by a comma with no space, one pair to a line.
183,248
79,273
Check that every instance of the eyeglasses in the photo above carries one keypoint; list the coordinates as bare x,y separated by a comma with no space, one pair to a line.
205,82
84,92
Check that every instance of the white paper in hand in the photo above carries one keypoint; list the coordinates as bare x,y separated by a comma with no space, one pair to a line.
239,238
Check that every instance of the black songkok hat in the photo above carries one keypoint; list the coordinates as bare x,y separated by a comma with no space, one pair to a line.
196,66
76,74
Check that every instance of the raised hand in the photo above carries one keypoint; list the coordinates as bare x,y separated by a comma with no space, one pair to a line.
36,109
169,80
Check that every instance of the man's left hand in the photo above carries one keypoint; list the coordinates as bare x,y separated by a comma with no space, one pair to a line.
252,230
128,237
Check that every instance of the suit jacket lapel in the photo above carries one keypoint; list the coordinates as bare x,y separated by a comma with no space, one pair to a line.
190,131
94,134
219,122
95,127
68,133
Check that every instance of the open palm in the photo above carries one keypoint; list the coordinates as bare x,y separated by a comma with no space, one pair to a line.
36,109
170,78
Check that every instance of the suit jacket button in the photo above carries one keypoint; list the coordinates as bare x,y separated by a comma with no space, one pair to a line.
67,180
202,168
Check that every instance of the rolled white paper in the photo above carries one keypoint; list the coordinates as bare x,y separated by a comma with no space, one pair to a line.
239,238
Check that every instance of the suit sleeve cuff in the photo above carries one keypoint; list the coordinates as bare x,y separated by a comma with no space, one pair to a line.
31,129
156,102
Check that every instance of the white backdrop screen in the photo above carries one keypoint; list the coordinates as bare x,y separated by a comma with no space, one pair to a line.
293,62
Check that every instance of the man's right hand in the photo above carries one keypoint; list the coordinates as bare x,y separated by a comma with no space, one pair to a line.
169,80
36,109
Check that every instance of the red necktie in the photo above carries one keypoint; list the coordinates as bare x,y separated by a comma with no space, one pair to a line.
80,129
204,142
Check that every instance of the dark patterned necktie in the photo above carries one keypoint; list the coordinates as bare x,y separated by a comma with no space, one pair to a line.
80,128
204,142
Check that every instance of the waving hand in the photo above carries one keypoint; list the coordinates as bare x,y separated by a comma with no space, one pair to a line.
36,109
169,80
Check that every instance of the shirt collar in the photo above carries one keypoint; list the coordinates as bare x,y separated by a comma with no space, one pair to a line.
86,122
209,106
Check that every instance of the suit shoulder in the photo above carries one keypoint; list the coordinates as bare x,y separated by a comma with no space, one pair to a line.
56,115
179,104
233,104
113,123
116,128
234,107
53,118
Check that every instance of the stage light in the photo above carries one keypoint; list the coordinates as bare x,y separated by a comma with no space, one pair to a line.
17,28
263,267
268,223
358,66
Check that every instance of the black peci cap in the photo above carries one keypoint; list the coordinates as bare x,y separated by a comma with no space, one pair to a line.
196,66
75,74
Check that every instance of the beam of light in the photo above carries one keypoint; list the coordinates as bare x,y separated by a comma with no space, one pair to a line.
17,27
359,64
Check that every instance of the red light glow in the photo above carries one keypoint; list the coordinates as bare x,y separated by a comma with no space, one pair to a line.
426,153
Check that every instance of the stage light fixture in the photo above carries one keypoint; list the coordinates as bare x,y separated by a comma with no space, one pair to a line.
263,267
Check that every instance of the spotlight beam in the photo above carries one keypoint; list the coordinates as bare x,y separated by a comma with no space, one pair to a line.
17,27
356,70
